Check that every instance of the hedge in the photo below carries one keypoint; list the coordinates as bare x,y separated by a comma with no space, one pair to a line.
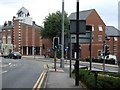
103,81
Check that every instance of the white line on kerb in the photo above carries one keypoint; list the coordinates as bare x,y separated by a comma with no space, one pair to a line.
4,72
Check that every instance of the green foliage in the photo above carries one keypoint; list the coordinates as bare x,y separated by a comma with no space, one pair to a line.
52,25
108,82
102,82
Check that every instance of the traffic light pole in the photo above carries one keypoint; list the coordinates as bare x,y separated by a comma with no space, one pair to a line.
104,57
55,59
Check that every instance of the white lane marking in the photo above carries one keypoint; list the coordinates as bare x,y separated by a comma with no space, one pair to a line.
3,72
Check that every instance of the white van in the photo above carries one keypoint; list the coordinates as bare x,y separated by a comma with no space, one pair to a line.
111,57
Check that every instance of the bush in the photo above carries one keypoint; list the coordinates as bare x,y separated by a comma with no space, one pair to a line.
88,78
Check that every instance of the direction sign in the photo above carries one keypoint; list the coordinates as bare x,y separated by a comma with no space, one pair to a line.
82,38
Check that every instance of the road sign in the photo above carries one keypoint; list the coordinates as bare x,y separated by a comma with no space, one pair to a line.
82,26
82,38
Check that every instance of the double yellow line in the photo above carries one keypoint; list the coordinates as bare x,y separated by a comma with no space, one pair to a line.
39,82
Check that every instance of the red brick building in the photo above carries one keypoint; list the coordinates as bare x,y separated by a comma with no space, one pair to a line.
98,31
23,33
47,47
113,35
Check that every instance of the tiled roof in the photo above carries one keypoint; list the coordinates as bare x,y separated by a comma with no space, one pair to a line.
82,15
7,27
112,31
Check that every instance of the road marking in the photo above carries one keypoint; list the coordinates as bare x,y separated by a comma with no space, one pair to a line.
38,80
41,81
3,72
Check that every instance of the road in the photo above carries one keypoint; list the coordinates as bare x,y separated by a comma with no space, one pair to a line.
21,73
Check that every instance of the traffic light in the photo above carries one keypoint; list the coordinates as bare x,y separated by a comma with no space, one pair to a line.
55,43
107,50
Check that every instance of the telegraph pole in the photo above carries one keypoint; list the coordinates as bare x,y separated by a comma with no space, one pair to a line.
62,44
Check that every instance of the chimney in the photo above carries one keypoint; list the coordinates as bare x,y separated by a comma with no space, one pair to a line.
5,23
9,23
33,22
14,18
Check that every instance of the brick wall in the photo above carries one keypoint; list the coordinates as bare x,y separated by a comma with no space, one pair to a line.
94,20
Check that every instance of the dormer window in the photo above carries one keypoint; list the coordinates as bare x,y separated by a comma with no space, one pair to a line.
23,12
20,14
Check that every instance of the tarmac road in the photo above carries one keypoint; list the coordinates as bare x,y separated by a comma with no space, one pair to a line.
21,73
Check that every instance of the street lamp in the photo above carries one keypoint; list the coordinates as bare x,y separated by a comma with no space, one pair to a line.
62,35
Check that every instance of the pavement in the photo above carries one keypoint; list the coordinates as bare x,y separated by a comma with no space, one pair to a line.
60,79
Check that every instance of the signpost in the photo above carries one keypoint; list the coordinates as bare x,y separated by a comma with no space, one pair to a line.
78,36
77,27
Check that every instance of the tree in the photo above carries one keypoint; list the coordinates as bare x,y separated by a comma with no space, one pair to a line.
52,25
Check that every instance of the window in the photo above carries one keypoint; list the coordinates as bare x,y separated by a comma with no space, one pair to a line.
92,28
100,38
100,28
115,38
4,39
9,39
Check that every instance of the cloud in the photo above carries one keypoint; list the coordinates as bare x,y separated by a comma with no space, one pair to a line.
107,9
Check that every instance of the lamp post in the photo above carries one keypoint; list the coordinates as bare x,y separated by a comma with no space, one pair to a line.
62,36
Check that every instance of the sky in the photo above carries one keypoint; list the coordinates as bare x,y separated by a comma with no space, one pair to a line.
39,9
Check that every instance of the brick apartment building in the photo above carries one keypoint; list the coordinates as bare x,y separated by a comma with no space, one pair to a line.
23,33
113,41
98,32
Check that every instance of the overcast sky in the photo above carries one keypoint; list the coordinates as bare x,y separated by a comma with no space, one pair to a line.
38,9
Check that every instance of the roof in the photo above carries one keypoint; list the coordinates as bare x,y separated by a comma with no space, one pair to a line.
112,31
23,9
7,27
82,15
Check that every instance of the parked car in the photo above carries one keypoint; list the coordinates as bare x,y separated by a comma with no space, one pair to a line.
110,57
14,55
